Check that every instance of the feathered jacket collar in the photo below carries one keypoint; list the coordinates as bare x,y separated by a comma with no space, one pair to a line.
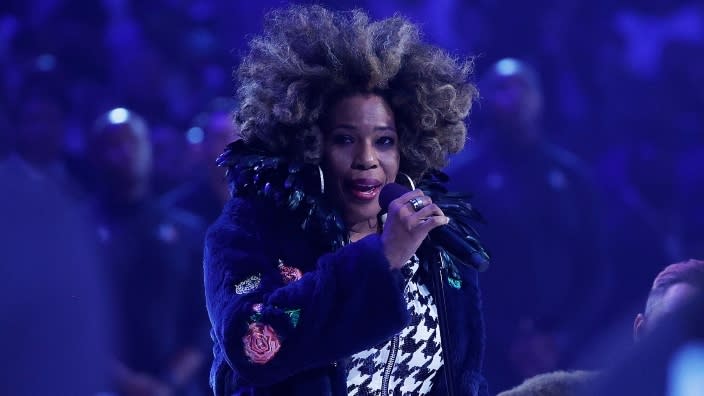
299,187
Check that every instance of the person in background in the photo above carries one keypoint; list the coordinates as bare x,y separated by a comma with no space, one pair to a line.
667,358
153,257
673,286
673,289
38,133
57,332
543,231
207,194
676,286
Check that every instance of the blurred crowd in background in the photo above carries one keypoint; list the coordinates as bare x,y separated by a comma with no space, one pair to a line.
585,155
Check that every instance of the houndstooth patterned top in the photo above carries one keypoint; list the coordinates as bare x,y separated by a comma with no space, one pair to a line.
407,363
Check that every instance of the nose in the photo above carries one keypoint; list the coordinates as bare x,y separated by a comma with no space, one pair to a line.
365,157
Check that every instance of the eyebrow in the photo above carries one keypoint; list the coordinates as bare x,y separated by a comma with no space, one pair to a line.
376,128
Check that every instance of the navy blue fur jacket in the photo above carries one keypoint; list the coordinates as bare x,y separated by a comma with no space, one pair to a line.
276,261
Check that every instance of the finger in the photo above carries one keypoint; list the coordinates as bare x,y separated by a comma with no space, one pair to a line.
425,215
415,205
428,211
402,201
430,223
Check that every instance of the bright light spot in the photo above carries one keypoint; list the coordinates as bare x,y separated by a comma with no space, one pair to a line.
195,135
507,67
118,115
46,62
686,377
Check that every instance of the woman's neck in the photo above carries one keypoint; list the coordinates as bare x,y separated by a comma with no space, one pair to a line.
359,230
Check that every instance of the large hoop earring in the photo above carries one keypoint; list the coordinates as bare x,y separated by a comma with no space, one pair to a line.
408,178
322,180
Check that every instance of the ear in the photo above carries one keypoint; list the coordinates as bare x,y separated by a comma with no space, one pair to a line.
639,327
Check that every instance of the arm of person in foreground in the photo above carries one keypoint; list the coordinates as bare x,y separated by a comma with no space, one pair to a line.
270,329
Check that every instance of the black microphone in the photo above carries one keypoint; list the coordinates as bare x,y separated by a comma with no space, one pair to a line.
452,241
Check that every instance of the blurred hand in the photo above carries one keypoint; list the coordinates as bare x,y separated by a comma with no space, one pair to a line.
405,229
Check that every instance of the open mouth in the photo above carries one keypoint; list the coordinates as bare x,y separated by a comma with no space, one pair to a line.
364,189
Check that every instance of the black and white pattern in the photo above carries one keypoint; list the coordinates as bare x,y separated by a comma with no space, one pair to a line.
407,363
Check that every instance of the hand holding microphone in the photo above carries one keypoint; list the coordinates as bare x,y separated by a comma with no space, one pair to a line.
411,215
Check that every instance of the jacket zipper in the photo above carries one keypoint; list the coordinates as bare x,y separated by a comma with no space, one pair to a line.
389,365
442,319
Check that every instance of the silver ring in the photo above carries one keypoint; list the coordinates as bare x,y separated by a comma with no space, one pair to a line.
416,203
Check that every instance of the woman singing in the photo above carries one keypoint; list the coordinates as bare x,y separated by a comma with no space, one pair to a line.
311,290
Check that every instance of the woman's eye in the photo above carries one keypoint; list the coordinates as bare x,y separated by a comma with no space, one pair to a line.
386,141
342,139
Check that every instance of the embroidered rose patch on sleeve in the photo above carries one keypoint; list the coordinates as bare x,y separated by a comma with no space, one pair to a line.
260,343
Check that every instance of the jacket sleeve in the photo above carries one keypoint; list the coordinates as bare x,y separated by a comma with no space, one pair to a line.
270,330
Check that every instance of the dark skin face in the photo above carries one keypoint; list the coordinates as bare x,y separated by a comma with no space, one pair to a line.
122,153
361,155
674,297
514,107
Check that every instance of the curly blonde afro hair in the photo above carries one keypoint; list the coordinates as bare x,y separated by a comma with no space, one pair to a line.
309,57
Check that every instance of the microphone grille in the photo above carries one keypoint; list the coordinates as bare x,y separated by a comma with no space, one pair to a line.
390,192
